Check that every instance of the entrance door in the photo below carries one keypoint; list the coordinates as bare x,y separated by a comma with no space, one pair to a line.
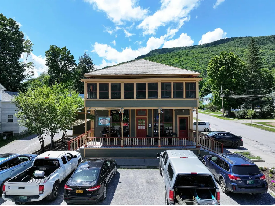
183,127
141,127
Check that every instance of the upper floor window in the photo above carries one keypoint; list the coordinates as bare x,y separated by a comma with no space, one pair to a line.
128,90
190,90
10,118
103,90
115,91
177,90
92,90
152,90
166,90
141,90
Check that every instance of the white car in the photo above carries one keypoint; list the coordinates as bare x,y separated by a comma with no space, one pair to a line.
203,126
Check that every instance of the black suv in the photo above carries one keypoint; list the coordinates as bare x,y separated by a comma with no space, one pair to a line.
236,173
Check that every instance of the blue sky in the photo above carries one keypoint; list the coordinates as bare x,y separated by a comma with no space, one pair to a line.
114,31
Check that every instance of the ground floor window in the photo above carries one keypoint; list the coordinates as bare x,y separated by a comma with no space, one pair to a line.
166,123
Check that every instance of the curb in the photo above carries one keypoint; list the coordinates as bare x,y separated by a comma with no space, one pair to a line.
256,160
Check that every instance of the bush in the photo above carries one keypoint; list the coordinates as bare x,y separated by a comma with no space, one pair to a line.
241,114
212,107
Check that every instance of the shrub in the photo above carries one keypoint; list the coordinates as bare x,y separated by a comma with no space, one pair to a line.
241,114
212,107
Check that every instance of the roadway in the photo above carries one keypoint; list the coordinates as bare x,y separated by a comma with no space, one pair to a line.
258,142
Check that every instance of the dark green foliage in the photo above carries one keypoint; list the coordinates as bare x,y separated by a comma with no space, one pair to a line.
85,65
12,45
61,65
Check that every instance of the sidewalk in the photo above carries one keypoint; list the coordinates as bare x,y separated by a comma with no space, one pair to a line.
30,144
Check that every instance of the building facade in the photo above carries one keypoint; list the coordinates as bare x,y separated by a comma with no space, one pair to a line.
141,99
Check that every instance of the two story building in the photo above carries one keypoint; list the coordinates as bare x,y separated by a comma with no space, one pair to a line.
141,99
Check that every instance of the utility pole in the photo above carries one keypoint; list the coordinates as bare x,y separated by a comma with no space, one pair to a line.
222,102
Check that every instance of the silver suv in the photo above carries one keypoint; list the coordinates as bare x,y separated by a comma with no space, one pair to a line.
187,180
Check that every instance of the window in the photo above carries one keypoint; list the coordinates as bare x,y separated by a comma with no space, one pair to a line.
141,91
152,90
115,91
63,158
190,90
166,90
128,90
92,90
103,90
166,123
177,90
10,118
170,171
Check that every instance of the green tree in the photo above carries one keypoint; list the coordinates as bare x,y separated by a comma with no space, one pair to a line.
47,109
12,45
61,65
85,65
226,74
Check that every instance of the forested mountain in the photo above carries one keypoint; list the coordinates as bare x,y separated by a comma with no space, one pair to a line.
196,58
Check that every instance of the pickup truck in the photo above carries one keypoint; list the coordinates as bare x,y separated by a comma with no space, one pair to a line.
12,164
43,178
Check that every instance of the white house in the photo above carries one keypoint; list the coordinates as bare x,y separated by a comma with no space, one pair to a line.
8,120
207,99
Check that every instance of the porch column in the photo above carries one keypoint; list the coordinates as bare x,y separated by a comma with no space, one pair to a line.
85,119
159,126
121,125
197,129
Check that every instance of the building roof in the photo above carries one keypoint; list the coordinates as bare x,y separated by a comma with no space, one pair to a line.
8,96
2,87
141,67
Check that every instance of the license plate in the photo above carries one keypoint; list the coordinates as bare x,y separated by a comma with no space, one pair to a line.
23,198
249,182
79,191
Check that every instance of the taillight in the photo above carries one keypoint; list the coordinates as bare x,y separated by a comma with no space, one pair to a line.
67,188
261,178
183,157
41,189
171,195
93,188
4,188
232,177
218,196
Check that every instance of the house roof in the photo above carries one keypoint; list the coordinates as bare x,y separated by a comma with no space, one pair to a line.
141,67
2,87
8,96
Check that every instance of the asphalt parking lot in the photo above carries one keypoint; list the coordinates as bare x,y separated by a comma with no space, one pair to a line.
146,187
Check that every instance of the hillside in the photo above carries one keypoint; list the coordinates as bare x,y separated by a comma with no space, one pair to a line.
196,58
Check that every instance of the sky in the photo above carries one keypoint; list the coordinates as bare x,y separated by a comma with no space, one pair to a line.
115,31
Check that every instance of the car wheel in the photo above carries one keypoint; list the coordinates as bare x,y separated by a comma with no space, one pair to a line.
223,186
54,192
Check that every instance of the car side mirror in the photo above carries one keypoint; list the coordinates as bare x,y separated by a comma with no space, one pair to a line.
158,155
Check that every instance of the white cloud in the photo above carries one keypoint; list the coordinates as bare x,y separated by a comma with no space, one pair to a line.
212,36
120,10
218,2
39,63
111,31
114,57
114,42
18,23
170,11
183,40
127,34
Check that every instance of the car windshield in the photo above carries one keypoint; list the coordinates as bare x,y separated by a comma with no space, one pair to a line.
245,170
195,180
86,174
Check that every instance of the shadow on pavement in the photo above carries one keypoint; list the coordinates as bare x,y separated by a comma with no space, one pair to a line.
253,199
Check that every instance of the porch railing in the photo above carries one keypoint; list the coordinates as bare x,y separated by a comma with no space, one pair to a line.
85,140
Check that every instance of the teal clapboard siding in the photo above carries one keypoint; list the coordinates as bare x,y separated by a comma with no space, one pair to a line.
140,103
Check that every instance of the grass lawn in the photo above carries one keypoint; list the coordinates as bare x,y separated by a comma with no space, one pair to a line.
248,155
260,127
267,124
